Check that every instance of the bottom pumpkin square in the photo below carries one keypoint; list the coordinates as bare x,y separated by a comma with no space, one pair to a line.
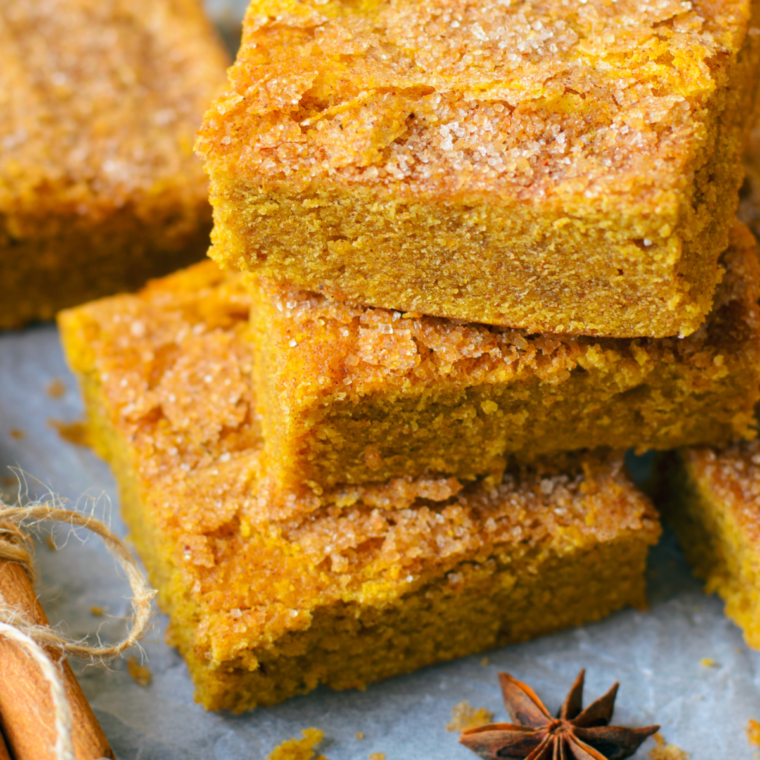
265,605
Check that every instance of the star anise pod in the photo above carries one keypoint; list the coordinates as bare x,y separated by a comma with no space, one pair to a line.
575,734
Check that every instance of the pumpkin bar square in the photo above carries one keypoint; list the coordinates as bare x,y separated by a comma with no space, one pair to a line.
556,166
353,395
712,500
263,606
99,188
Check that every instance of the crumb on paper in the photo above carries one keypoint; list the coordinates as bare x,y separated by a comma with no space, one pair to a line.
463,717
753,732
707,662
50,543
17,434
140,673
377,756
484,661
665,751
71,432
359,735
97,611
298,749
56,389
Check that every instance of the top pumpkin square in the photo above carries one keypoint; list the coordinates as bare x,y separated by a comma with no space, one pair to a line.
558,165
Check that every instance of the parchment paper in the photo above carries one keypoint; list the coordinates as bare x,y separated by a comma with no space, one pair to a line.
655,655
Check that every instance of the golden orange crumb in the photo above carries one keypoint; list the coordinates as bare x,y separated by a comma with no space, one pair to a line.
377,756
140,673
708,662
359,735
56,389
17,434
753,732
298,749
50,543
463,717
366,359
97,611
71,432
665,751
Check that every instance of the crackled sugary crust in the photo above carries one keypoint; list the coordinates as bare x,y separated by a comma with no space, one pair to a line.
713,501
174,364
99,188
562,167
265,604
351,395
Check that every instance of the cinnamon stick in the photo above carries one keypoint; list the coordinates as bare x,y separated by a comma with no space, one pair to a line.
26,708
3,750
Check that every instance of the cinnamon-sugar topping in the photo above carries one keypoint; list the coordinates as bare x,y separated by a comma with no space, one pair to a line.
95,106
173,367
541,98
733,476
271,572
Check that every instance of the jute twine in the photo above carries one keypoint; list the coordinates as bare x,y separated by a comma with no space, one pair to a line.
15,546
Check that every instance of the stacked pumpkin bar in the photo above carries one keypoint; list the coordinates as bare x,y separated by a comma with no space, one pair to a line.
99,188
560,167
711,495
482,247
